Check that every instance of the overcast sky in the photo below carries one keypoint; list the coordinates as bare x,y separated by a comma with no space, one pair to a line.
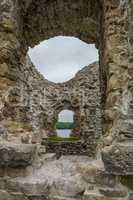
66,116
60,58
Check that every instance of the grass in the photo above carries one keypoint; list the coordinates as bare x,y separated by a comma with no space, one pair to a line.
62,139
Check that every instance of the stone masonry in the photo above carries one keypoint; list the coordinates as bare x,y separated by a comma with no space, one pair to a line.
34,104
27,113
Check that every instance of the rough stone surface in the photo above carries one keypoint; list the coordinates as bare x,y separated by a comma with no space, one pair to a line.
16,155
5,195
107,23
67,148
95,195
118,158
61,18
35,103
29,103
68,178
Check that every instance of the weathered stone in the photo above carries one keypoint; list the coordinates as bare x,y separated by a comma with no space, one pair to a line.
102,178
74,18
18,196
5,195
3,69
89,172
31,187
108,23
118,158
67,148
113,192
127,181
49,157
130,196
68,187
3,133
37,118
64,198
16,155
95,195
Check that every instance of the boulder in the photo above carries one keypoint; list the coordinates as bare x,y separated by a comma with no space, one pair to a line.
72,186
118,158
16,155
30,187
113,192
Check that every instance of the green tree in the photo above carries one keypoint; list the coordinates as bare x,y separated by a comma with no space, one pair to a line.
64,125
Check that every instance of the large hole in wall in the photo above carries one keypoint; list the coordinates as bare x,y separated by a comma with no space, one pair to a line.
60,58
65,123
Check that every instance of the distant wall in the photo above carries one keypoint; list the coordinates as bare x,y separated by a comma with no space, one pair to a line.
33,105
67,148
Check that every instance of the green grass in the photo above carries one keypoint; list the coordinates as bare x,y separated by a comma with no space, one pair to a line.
59,139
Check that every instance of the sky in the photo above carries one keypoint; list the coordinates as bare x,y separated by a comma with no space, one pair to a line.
66,116
60,58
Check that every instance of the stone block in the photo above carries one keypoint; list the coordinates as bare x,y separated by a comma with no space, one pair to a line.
16,155
30,187
95,195
4,195
105,179
113,192
3,69
64,198
127,181
18,196
118,158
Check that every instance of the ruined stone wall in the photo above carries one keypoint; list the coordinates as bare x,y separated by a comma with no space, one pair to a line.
118,105
116,50
19,30
21,27
66,148
33,105
108,23
46,19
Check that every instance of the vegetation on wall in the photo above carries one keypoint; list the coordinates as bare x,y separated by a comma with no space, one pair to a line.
62,139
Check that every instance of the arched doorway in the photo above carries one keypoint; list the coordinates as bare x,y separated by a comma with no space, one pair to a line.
65,123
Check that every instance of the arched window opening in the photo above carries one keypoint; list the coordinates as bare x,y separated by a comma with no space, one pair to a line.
65,123
60,58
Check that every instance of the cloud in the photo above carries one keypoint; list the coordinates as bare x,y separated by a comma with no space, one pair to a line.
66,116
60,58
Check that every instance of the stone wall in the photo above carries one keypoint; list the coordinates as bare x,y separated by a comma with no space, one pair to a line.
46,177
24,106
66,148
108,23
46,19
34,104
117,68
93,21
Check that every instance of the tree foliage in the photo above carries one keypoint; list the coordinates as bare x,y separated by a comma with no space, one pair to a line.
64,125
